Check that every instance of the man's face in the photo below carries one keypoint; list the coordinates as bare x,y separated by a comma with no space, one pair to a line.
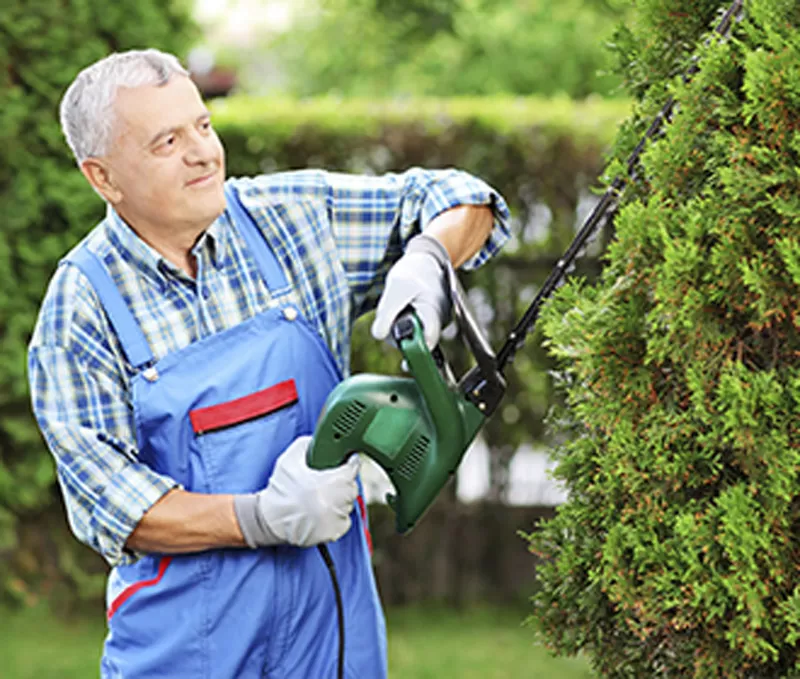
166,163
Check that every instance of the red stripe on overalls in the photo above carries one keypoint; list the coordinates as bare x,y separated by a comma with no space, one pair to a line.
245,408
362,508
128,592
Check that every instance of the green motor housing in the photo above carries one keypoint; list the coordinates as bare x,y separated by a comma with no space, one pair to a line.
416,429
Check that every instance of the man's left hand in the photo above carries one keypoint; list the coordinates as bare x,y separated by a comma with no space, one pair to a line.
419,279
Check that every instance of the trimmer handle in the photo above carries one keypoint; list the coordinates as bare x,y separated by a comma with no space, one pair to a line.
404,325
425,365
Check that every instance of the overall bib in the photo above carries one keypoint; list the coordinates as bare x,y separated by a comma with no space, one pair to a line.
214,416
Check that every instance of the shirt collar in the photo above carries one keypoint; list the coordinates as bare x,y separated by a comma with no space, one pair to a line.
151,262
217,237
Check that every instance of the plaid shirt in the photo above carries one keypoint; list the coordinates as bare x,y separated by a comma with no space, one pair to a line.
337,237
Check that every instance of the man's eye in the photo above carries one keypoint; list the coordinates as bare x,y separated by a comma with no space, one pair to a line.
206,125
166,144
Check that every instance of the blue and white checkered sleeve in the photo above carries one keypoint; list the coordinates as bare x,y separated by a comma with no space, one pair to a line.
374,217
82,407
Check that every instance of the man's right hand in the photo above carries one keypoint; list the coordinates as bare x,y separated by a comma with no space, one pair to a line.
300,506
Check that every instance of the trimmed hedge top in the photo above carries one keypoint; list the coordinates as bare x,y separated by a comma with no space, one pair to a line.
593,117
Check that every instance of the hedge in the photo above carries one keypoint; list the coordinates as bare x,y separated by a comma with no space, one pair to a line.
677,552
46,207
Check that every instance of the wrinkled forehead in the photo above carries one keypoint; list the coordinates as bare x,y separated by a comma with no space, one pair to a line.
142,111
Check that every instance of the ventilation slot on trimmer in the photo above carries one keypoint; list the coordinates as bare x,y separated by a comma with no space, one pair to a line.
410,465
348,420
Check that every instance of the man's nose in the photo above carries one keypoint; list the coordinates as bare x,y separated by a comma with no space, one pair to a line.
201,149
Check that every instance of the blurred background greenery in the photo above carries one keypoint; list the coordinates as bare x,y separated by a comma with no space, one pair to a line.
382,48
523,94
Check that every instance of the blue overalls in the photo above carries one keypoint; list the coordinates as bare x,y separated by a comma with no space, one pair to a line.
214,416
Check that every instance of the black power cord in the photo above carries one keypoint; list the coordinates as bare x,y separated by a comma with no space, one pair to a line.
326,557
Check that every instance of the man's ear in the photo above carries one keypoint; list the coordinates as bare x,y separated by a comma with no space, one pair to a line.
98,174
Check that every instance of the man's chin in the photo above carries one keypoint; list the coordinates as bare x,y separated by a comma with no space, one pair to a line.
208,206
213,193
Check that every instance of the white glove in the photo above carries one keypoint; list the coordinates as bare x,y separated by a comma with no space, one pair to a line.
420,279
300,505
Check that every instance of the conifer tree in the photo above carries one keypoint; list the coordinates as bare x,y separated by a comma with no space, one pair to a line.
677,553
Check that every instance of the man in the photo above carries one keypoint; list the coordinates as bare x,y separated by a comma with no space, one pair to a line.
182,355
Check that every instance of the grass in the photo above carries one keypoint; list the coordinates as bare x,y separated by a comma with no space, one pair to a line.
34,644
485,643
424,643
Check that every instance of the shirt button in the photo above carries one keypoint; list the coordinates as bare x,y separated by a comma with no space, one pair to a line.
206,293
290,313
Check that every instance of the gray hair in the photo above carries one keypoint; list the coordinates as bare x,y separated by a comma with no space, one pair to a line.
87,108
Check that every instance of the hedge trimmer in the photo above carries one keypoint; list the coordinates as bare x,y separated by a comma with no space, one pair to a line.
419,428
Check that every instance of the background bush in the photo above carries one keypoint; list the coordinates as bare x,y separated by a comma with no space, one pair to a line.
677,552
47,206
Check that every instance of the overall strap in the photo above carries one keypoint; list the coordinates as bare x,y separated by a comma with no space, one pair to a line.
130,335
266,261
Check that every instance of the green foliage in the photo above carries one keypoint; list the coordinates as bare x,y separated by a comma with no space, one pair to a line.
450,47
676,554
46,204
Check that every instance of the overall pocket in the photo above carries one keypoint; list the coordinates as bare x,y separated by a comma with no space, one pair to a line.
239,440
125,582
155,606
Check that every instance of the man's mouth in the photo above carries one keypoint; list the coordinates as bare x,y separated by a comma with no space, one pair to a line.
203,179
